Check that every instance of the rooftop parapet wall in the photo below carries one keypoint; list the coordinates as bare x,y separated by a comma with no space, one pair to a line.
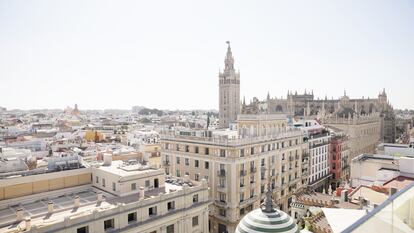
355,120
224,141
261,117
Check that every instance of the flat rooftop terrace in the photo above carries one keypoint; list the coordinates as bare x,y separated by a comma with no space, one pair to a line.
37,209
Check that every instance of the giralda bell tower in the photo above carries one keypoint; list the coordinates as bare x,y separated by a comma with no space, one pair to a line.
229,91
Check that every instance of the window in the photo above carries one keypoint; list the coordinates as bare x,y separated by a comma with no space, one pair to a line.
113,186
195,198
108,224
222,212
196,163
197,177
206,151
222,183
195,221
170,229
196,149
178,160
133,186
206,165
222,153
252,150
178,173
222,197
103,182
152,211
97,180
187,149
84,229
187,161
147,183
132,217
241,152
171,205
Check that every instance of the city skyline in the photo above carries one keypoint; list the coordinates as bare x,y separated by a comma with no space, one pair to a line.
104,56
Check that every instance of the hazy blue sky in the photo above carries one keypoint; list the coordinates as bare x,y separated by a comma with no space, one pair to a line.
167,54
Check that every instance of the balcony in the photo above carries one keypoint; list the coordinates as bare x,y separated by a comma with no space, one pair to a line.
243,172
222,188
221,173
221,203
312,146
248,201
294,181
242,187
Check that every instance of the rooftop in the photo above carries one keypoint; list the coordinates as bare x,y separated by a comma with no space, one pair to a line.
399,182
129,169
37,208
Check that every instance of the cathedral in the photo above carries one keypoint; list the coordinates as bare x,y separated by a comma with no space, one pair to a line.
300,104
307,106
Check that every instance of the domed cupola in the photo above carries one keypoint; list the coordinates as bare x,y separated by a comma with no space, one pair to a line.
267,219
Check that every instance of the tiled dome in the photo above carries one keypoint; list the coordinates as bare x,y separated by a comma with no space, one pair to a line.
260,221
267,219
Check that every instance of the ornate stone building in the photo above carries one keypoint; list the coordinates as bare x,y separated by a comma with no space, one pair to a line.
344,107
239,167
229,91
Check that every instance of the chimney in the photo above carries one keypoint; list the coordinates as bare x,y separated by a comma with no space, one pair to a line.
76,202
186,178
50,207
100,197
107,157
392,191
28,223
141,193
344,195
19,214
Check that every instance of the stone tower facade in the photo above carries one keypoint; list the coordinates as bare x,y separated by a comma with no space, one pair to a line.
229,91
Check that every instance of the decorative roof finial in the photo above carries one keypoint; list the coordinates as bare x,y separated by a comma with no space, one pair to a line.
268,203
